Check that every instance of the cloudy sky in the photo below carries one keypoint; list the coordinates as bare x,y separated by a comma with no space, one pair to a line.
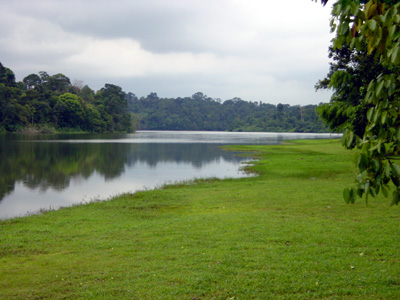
258,50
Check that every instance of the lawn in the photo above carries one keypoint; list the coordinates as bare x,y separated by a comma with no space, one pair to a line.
284,234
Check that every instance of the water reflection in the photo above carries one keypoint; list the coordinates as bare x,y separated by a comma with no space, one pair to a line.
53,165
50,171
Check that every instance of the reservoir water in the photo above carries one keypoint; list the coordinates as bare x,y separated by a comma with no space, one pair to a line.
52,171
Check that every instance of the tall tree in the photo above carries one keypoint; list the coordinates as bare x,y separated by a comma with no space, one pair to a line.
12,114
348,77
113,99
69,111
31,81
375,25
59,83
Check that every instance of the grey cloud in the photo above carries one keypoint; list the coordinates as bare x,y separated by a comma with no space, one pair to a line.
259,57
157,26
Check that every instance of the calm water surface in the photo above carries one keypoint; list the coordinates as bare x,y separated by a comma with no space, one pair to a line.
42,172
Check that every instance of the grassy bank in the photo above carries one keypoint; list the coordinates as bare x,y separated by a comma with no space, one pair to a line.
286,234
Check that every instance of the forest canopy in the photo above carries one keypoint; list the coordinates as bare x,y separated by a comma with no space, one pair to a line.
200,112
48,103
52,103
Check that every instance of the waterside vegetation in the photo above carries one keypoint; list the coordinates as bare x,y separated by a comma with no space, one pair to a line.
200,112
41,103
47,104
284,234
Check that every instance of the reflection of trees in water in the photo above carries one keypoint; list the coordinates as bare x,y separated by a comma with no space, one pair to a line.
53,165
197,155
44,165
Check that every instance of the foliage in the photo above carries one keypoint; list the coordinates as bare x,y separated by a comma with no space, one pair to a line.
113,101
68,110
43,101
200,112
374,27
349,76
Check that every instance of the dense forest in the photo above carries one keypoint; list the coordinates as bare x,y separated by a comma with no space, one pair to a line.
52,103
49,103
200,112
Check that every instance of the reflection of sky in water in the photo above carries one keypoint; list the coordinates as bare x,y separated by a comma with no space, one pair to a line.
138,177
209,137
88,167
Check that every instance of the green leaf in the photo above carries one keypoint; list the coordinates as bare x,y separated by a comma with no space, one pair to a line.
379,88
388,82
391,31
349,195
370,46
346,195
396,197
370,113
372,25
383,118
395,58
387,170
363,164
379,146
398,133
376,116
396,169
337,9
393,113
366,187
343,29
350,138
338,42
375,165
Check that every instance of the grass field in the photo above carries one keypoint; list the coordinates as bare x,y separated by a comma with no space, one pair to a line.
285,234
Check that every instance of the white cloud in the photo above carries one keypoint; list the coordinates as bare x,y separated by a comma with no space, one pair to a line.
126,58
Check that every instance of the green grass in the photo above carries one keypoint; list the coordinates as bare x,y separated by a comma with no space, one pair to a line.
285,234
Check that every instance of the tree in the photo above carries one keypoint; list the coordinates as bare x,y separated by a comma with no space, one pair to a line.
348,77
113,99
376,25
44,101
12,114
43,76
59,83
7,76
94,121
31,81
69,111
87,94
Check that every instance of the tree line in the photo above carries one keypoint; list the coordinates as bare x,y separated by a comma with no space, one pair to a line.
48,103
200,112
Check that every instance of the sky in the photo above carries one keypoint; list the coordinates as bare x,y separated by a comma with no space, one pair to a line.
257,50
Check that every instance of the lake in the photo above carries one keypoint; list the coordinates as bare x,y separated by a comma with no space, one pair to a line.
52,171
